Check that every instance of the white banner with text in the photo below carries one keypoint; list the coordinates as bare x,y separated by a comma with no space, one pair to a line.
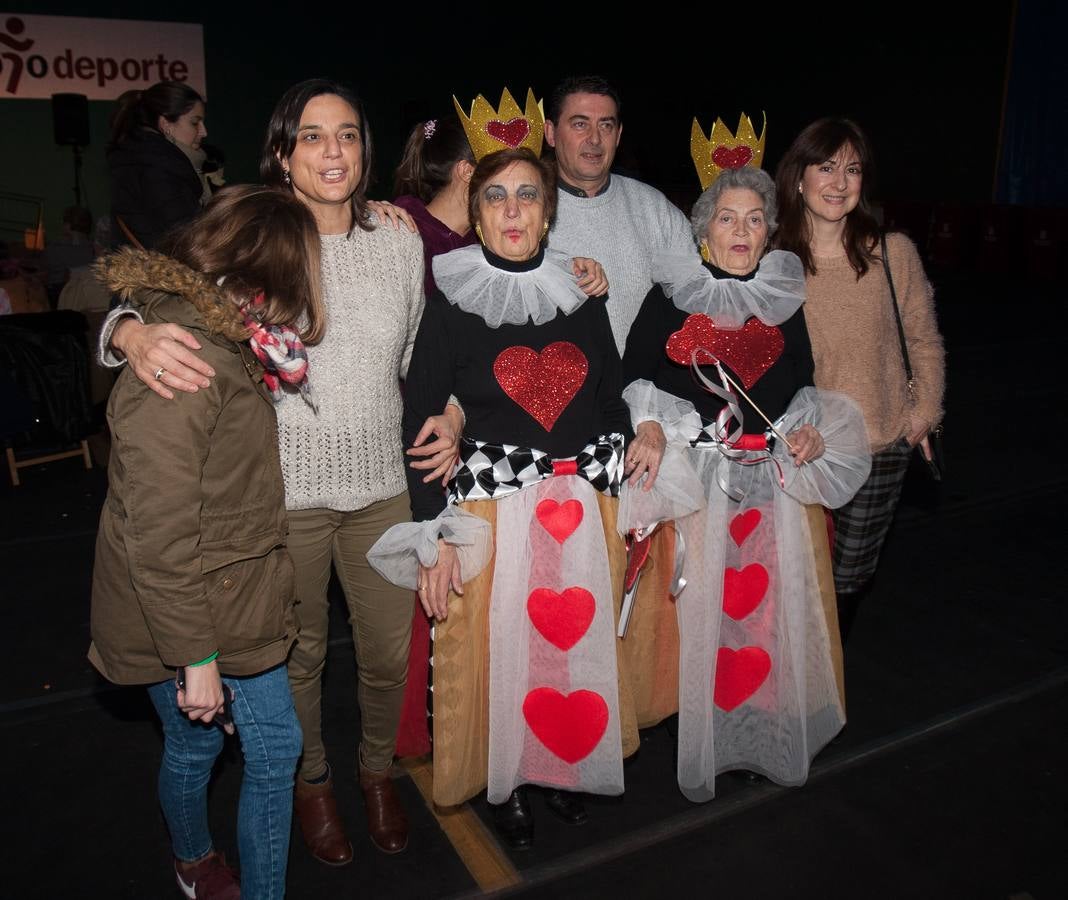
101,58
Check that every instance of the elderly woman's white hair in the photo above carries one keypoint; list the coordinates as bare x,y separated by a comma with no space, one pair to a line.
746,178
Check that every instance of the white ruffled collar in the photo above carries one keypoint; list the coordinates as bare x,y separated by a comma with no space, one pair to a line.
469,280
773,294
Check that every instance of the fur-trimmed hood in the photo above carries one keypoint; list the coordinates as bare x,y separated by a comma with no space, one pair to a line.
128,272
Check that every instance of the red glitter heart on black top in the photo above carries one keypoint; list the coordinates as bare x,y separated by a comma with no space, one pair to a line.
513,132
749,351
543,384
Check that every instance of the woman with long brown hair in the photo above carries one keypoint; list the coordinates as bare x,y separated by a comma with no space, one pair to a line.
825,217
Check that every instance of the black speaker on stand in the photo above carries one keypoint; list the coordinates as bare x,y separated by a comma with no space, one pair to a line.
70,125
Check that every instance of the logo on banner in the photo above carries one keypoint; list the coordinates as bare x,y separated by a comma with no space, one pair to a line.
75,70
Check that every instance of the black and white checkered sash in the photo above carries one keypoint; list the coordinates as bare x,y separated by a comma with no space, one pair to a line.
491,471
708,436
739,449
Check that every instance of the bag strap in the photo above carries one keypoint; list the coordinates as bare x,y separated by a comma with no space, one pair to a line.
129,235
909,380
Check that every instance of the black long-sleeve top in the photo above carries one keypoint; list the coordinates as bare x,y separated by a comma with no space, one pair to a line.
154,187
646,357
454,354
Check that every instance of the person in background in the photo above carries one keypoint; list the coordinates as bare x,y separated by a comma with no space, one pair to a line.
214,168
431,184
71,251
154,159
824,180
620,222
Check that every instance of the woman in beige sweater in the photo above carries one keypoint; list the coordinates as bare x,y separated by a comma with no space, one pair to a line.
826,219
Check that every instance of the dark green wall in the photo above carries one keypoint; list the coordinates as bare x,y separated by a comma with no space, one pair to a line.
33,164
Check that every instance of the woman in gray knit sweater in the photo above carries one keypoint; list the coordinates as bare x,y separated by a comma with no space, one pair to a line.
343,461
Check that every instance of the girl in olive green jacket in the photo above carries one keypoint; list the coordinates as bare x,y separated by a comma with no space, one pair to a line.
193,587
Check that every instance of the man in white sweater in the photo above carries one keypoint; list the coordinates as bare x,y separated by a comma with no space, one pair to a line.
620,222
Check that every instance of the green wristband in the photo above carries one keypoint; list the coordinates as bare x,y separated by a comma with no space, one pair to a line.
205,660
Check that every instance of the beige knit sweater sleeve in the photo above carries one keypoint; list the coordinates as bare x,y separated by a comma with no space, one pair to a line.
855,344
915,297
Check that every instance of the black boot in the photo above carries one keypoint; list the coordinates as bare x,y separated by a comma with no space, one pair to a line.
514,820
566,806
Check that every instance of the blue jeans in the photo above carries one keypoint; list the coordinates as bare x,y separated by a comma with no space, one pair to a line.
271,744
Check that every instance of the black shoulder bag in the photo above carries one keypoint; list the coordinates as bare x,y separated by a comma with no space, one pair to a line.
936,464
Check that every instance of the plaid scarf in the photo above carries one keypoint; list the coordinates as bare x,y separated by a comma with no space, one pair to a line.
281,352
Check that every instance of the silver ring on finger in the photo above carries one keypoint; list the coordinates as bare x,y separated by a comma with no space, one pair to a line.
159,373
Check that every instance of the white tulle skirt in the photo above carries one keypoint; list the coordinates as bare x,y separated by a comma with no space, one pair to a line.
759,659
758,689
527,666
553,693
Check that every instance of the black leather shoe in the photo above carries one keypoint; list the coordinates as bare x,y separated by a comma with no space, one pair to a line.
514,820
566,806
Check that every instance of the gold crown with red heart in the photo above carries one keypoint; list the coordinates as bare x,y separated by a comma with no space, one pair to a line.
724,150
504,128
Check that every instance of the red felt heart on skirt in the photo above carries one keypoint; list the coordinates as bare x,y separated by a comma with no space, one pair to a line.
513,132
543,384
743,590
749,351
743,524
563,618
739,674
732,157
569,725
559,519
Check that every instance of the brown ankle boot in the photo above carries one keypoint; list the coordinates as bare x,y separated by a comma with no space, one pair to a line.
323,830
386,821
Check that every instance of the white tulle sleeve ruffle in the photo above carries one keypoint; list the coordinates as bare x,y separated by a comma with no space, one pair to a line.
679,418
834,478
677,491
397,555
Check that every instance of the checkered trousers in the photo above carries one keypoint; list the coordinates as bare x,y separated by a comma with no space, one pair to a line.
491,471
861,525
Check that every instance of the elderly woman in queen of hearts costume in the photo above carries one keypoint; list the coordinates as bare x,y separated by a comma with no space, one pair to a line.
719,357
525,673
